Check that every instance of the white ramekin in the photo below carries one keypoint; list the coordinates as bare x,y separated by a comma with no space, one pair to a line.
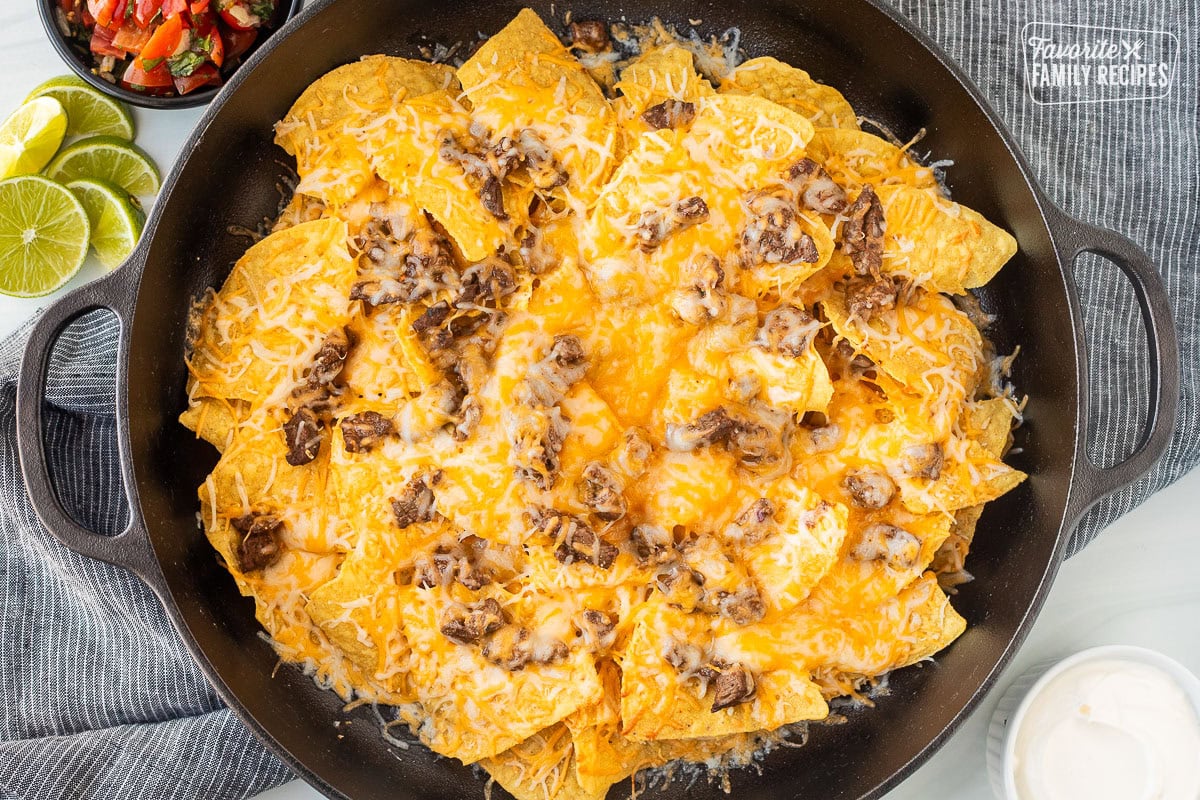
1022,693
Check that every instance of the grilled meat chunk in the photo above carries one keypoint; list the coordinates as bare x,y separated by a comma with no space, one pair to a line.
814,188
670,114
889,543
259,546
361,432
303,434
734,684
773,234
656,224
467,624
869,488
789,330
862,234
601,491
416,503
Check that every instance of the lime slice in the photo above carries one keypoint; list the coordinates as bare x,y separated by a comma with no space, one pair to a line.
115,221
31,136
43,235
108,159
89,112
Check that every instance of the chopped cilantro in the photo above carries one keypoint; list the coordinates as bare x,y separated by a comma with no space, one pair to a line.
185,63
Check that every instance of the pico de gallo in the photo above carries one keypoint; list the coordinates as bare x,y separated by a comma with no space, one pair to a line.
164,47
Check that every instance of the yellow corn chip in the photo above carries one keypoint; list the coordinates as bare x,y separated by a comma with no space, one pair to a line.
927,235
659,74
854,158
791,87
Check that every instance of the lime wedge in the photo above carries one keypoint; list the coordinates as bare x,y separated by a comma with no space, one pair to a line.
89,112
31,136
115,221
43,235
108,159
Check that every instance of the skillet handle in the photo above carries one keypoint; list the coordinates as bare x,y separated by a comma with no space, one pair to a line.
130,548
1092,483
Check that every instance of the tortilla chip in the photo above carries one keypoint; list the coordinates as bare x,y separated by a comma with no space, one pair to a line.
924,343
854,587
523,77
657,704
980,478
253,474
541,768
735,146
257,339
683,488
854,158
788,563
659,74
989,422
511,706
788,86
319,129
213,420
928,235
900,631
796,384
405,153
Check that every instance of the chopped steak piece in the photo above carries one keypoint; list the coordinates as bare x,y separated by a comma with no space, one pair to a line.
319,398
651,544
447,565
655,225
433,317
406,271
259,546
591,36
773,234
814,188
710,428
788,329
466,624
416,503
601,491
883,542
549,379
752,525
757,436
686,658
491,197
537,436
536,255
544,169
514,647
825,438
705,299
452,150
670,114
865,296
303,434
632,456
923,460
361,432
734,685
578,542
862,234
331,358
597,629
680,585
869,488
503,157
743,607
487,282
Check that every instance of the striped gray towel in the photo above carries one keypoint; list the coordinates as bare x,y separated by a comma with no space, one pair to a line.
100,699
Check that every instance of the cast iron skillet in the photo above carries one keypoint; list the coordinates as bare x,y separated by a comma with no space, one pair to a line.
889,71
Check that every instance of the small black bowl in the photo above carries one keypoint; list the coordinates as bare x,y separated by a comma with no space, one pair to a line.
82,66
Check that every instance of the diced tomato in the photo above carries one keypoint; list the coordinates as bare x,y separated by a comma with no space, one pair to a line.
102,10
157,78
66,5
170,8
204,75
102,42
164,41
131,37
238,42
144,11
118,17
199,6
217,55
238,17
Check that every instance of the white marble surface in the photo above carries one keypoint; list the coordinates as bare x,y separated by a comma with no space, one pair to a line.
1137,584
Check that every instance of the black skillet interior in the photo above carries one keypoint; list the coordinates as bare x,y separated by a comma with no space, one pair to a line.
232,179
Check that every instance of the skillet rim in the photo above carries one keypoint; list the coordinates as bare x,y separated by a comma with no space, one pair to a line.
1047,213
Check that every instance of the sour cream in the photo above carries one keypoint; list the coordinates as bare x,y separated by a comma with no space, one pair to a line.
1108,729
